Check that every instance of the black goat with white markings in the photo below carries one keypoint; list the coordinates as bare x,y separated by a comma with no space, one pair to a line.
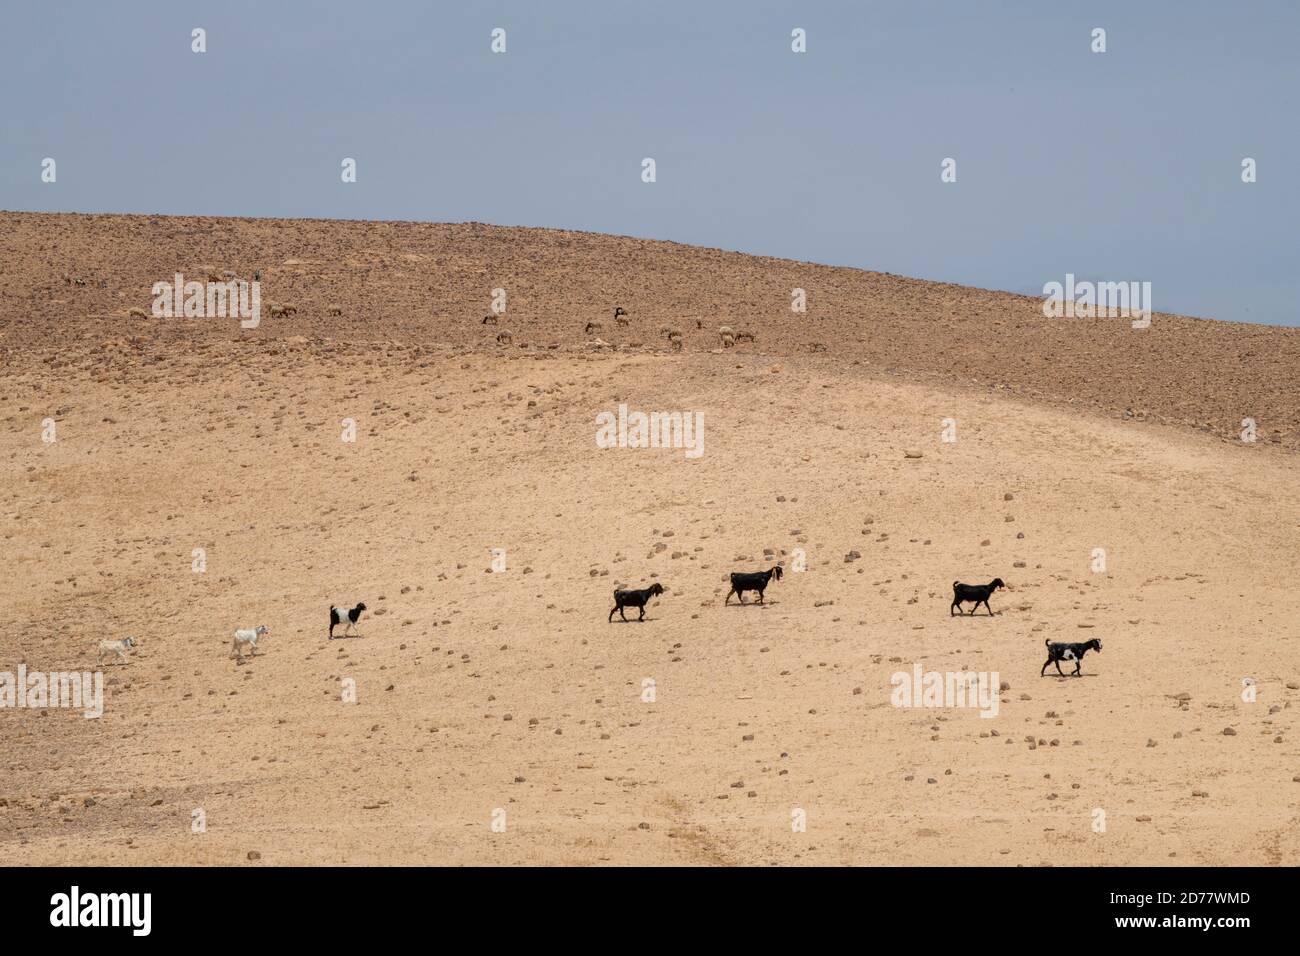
348,616
742,581
1068,652
979,593
634,598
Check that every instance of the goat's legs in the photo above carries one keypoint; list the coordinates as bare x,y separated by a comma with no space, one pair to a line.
620,612
1043,672
642,617
611,613
728,597
1058,667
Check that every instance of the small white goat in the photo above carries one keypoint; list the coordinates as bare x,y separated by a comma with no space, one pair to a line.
246,637
115,647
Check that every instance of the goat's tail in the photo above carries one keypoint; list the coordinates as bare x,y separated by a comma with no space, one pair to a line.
954,584
1047,642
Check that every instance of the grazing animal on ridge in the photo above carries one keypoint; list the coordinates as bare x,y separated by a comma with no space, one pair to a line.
979,593
742,581
348,616
634,598
1068,652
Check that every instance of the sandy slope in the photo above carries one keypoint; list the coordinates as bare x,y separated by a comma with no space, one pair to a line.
479,691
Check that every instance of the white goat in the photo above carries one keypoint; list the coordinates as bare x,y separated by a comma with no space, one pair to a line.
246,637
115,647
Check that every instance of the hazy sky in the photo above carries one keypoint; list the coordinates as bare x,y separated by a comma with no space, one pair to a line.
1116,166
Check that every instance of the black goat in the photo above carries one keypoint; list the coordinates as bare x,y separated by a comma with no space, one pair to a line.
979,593
634,598
742,581
1068,652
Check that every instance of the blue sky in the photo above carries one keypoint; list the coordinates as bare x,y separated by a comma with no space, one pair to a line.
1123,165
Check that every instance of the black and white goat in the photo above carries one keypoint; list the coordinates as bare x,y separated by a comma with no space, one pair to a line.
979,593
347,616
742,581
1068,652
634,598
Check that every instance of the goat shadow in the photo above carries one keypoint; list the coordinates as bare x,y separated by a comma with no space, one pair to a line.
344,637
754,603
1069,676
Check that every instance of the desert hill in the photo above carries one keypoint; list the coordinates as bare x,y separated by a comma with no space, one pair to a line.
503,695
424,283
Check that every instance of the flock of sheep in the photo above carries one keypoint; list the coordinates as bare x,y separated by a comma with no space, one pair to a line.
727,336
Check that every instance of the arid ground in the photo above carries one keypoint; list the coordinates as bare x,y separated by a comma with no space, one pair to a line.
479,692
